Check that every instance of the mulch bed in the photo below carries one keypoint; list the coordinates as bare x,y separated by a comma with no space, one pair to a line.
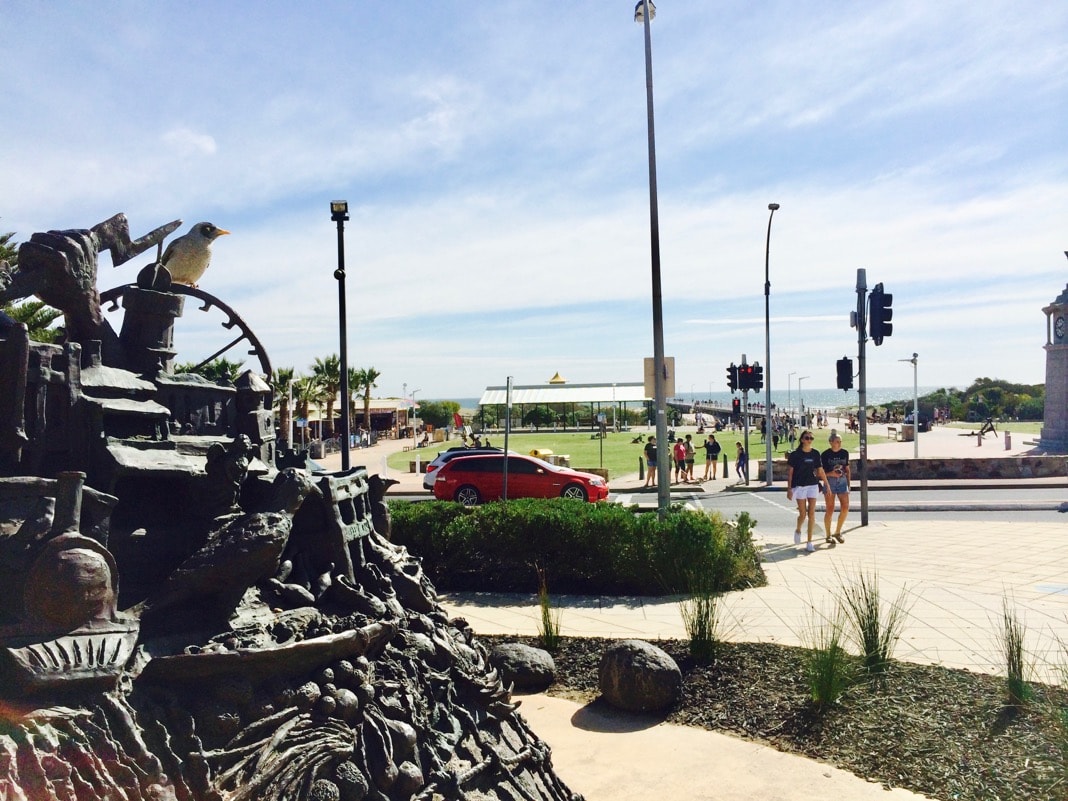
941,732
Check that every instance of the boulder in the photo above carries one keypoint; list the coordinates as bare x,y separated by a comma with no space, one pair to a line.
638,677
526,668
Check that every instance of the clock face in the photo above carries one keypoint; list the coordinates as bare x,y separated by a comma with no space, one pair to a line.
1059,327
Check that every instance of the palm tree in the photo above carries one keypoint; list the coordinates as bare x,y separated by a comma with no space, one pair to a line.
37,316
280,382
305,393
221,369
355,385
9,252
328,373
365,380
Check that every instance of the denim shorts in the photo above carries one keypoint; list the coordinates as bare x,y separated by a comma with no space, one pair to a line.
838,485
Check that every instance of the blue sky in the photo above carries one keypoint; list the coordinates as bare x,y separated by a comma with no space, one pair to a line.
494,156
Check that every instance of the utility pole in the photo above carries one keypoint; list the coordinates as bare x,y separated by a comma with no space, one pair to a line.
745,418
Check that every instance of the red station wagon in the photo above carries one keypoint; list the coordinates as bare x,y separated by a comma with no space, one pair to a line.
471,480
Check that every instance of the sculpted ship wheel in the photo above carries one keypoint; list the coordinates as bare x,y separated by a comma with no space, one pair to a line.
112,297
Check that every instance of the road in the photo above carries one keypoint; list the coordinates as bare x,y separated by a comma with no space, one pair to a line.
1038,504
1034,504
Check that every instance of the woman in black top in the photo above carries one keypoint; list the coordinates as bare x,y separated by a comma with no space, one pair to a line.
836,465
804,473
650,462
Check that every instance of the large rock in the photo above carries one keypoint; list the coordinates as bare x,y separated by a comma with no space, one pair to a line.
638,677
526,668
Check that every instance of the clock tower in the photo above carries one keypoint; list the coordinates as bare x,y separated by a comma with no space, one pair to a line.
1054,437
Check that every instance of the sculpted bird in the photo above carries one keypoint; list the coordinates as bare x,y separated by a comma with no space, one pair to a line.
188,256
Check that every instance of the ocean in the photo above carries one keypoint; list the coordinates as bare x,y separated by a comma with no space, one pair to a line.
813,398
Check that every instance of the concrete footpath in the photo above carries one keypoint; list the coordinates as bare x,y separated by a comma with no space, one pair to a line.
953,578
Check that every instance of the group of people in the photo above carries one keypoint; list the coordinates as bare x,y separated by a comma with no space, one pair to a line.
683,457
810,473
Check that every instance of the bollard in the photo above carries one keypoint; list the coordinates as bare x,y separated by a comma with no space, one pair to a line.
1008,441
641,469
979,440
725,472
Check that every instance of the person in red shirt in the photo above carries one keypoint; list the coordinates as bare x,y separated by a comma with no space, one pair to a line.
679,453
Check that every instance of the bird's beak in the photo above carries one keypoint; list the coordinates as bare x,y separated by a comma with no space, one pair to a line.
220,232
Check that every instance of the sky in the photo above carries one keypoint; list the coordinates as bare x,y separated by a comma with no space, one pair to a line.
495,158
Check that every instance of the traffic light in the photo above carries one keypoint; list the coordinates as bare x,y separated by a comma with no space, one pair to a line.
745,377
845,373
758,377
732,377
880,314
736,407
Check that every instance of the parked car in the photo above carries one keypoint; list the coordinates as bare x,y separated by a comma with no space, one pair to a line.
447,456
470,480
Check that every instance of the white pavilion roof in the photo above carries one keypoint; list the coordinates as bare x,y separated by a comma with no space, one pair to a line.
565,393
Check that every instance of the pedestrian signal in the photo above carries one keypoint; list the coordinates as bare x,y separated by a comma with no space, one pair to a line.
845,373
880,314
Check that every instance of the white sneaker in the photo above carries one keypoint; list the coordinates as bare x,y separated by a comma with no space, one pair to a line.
797,538
810,548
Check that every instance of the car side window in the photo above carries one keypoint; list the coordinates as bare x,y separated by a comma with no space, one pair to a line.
491,464
522,466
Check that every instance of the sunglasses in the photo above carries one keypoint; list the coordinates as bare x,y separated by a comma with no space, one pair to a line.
806,439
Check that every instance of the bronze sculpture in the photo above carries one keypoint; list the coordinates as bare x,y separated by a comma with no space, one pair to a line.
186,621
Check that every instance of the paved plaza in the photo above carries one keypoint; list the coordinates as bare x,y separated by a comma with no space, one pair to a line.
952,576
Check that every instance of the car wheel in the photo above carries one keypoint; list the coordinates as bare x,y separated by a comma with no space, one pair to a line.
576,492
468,496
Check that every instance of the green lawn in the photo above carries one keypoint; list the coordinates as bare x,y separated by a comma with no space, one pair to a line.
1016,427
619,455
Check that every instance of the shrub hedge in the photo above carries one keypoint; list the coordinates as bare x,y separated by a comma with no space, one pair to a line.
584,548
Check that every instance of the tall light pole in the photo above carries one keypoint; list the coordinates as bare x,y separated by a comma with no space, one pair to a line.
801,398
789,389
768,479
644,11
915,407
339,213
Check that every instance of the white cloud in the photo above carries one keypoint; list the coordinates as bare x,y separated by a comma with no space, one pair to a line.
186,142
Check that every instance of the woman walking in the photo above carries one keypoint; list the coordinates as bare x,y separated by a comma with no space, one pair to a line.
804,472
741,464
836,465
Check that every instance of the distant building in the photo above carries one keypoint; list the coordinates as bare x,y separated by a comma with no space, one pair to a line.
568,402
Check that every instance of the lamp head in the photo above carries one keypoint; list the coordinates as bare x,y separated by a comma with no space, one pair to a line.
639,11
773,206
339,210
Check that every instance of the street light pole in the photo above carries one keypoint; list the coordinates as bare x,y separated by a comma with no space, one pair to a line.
339,213
415,438
789,389
768,477
915,407
644,11
801,400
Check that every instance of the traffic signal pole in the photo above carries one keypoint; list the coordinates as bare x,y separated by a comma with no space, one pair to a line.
862,448
745,415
